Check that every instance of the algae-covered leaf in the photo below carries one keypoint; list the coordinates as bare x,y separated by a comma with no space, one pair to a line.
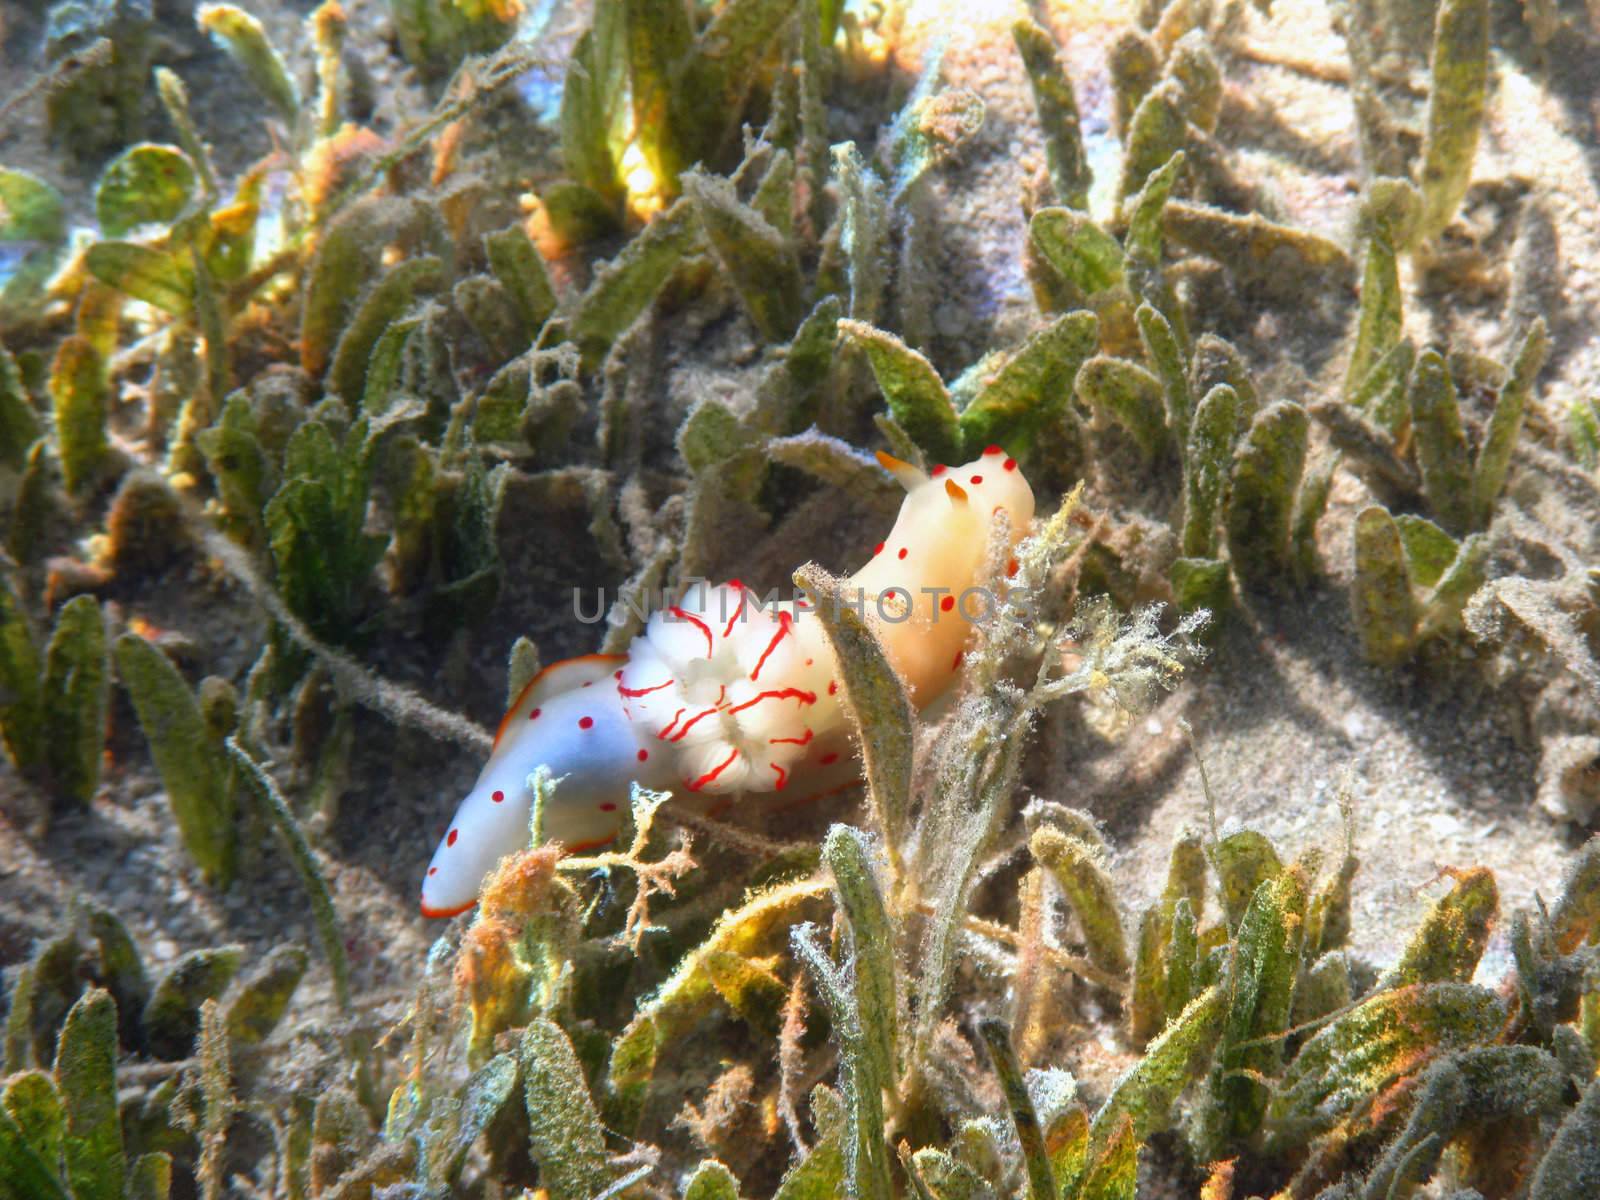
492,312
1479,1099
1583,430
33,219
80,393
242,36
1217,361
711,1181
1381,599
863,232
1134,63
1144,1093
121,970
1440,443
19,424
1078,869
1244,861
237,462
927,131
594,104
74,696
1260,997
145,184
1570,1168
30,210
1455,109
150,1177
1442,609
1085,254
1207,460
876,699
866,1164
1145,237
1024,1117
23,1174
1575,918
32,1101
759,260
917,398
1166,358
1505,424
316,523
349,255
484,1096
623,288
21,714
1278,258
263,996
1112,1171
849,859
383,305
1362,1053
748,988
185,755
937,1175
1193,65
1267,466
675,1006
660,38
1382,317
519,267
1032,389
85,1075
1429,550
1057,108
1130,394
820,1175
164,278
565,1135
1451,939
172,1017
1156,133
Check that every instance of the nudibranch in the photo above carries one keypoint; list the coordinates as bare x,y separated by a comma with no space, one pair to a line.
723,694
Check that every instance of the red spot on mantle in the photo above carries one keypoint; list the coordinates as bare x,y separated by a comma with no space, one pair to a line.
902,553
534,715
498,797
976,480
450,838
1010,464
993,450
585,722
644,755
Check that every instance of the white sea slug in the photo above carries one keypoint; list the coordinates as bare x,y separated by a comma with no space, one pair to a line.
723,695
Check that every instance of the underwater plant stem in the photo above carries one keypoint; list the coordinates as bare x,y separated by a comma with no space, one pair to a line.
399,704
475,81
280,817
1006,936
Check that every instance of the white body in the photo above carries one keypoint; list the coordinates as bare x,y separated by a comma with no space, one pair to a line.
720,696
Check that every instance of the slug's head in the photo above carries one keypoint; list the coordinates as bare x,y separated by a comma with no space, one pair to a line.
943,529
926,580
